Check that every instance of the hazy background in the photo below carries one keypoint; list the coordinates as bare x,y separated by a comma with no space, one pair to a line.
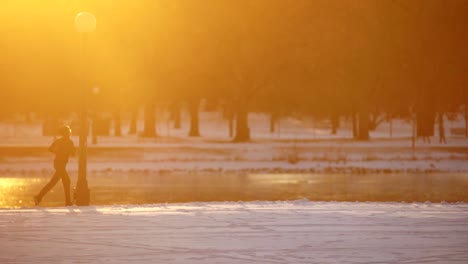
319,58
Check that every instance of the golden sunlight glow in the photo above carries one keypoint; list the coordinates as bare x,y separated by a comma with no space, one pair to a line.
85,22
9,189
7,183
314,70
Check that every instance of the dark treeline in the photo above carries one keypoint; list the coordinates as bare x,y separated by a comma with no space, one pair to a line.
323,58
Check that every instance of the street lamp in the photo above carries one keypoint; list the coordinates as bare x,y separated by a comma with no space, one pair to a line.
94,120
85,23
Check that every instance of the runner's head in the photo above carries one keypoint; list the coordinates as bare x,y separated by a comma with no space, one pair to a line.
65,131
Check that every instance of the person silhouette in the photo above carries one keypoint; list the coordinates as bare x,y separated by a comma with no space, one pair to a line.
63,148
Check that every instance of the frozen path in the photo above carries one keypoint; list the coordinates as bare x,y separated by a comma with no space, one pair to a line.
258,232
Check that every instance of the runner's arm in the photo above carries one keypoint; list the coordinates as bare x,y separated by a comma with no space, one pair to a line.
53,147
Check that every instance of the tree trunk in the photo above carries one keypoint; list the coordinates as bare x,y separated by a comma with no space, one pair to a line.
390,121
363,132
231,125
354,121
229,115
242,127
194,120
94,122
335,122
272,123
441,127
413,131
176,116
117,123
133,121
149,129
466,120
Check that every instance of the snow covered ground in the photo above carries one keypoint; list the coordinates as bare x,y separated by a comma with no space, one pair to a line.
271,157
298,146
256,232
238,232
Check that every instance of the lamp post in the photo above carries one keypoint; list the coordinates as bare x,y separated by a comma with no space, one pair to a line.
96,90
85,23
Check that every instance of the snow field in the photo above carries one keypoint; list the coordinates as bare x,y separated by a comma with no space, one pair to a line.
256,232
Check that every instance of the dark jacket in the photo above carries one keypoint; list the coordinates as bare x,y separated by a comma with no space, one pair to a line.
63,148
